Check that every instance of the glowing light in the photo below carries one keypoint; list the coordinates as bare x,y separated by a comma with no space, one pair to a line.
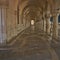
32,22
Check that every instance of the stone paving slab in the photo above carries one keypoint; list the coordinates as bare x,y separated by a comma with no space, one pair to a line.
31,45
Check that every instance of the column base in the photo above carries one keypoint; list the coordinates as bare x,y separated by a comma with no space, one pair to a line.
3,43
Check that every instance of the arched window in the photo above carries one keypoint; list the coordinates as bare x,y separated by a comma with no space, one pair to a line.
59,19
51,19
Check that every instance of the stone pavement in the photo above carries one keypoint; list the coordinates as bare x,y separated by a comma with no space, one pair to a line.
33,44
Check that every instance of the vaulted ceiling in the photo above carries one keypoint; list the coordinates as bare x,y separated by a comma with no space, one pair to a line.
32,7
55,3
38,3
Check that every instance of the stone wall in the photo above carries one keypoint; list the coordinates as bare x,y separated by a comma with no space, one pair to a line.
10,27
13,28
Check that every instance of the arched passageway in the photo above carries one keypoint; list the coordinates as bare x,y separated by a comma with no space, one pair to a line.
29,29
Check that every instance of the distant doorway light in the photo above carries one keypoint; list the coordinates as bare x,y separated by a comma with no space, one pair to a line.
32,22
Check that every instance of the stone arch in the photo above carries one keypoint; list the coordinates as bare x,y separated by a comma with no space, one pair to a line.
19,11
26,8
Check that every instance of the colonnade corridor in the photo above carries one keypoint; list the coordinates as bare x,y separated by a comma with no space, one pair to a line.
31,44
29,29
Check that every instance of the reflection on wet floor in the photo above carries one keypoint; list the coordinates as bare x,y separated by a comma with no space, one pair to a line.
33,44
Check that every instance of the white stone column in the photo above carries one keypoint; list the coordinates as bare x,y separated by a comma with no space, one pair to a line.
48,25
44,22
55,26
44,27
2,26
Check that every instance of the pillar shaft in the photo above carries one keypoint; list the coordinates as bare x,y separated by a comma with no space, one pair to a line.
44,26
48,25
2,26
55,26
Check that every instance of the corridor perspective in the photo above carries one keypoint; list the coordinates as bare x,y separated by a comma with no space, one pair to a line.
29,29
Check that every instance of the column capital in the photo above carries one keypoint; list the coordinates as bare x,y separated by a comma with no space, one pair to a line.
48,16
54,14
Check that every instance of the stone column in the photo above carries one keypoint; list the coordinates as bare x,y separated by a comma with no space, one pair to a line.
44,25
55,26
48,25
2,25
44,22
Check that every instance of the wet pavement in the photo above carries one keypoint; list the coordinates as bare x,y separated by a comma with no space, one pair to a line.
33,44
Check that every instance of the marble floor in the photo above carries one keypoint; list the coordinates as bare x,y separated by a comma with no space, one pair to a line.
33,44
